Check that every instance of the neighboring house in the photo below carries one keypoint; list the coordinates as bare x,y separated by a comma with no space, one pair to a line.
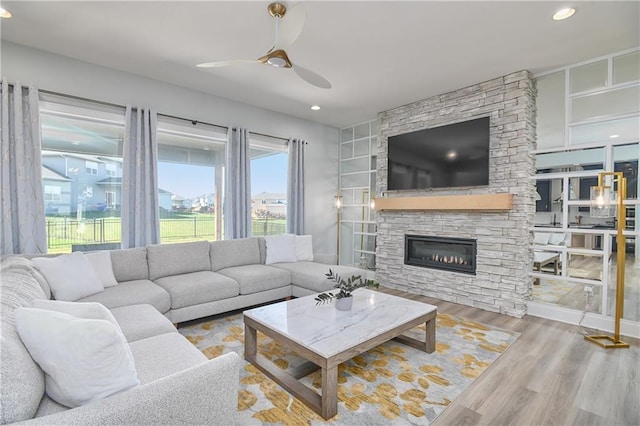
205,202
164,200
94,182
57,192
180,203
273,203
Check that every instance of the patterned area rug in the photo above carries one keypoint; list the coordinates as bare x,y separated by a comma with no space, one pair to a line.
551,290
392,383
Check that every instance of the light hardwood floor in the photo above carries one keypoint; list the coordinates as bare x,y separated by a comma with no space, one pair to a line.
549,376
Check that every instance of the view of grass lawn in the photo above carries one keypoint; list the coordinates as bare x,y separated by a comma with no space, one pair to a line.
62,232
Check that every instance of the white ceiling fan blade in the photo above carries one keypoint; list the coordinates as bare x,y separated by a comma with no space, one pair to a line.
291,26
311,77
219,64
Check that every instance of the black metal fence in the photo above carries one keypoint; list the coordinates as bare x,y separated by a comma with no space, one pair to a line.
63,232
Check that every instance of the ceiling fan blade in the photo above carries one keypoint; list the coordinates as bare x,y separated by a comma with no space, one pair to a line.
219,64
291,26
311,77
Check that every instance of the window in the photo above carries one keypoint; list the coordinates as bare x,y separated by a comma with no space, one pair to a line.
52,193
111,169
268,185
91,167
190,180
110,198
78,137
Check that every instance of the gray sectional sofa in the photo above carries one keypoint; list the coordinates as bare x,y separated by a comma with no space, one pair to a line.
157,285
187,281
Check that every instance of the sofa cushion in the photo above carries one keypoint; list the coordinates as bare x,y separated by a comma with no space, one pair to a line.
256,278
130,264
311,275
556,239
198,287
141,321
132,293
229,253
280,248
160,356
101,262
172,259
541,238
70,276
86,310
84,360
21,378
304,248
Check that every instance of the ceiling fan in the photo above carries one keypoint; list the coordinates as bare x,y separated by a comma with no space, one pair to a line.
276,56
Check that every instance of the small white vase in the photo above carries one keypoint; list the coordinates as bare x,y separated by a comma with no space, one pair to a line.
344,303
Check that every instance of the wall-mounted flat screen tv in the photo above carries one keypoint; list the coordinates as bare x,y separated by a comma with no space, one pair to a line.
455,155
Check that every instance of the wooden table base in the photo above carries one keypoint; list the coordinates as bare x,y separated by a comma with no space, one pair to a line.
326,404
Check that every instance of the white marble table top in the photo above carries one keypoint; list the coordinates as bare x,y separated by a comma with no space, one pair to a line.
328,331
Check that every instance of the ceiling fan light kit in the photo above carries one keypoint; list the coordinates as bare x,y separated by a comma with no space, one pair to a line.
277,57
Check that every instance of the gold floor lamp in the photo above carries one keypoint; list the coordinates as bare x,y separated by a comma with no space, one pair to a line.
604,201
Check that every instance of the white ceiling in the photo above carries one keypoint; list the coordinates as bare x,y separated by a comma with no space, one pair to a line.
377,55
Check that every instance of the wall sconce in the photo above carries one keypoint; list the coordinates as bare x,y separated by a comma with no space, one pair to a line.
603,204
338,201
372,203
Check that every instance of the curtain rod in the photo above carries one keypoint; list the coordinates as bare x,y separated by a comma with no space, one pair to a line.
194,122
269,136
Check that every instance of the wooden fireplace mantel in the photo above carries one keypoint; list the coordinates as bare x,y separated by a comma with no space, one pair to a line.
476,202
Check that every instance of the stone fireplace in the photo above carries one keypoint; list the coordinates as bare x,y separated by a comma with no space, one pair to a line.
503,259
449,254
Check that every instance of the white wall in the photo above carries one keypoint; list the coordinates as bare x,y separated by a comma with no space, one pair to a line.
60,74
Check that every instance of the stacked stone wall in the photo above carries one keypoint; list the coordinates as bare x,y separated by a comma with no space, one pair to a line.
502,282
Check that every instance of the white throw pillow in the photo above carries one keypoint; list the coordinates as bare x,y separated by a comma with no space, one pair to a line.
84,360
101,262
556,239
70,276
304,248
280,248
84,310
541,238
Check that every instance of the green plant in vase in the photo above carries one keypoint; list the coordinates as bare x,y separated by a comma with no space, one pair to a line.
345,288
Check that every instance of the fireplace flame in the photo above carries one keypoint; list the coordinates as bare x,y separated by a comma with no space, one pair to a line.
450,259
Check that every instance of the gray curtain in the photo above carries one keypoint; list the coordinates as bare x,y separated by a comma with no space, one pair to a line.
140,209
295,187
23,222
237,206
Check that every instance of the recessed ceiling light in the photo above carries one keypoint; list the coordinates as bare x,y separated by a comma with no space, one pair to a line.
565,13
75,143
315,107
4,13
452,155
614,136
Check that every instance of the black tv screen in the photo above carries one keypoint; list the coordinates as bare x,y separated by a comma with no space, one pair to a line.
449,156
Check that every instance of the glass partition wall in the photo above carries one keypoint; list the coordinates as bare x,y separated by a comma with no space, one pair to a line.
588,122
357,227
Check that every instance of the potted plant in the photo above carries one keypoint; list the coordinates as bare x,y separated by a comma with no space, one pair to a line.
344,297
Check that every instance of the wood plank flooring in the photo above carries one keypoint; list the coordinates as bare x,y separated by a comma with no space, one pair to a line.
550,376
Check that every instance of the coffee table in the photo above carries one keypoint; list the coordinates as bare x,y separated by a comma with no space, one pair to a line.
328,337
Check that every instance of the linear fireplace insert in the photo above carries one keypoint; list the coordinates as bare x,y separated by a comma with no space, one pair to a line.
450,254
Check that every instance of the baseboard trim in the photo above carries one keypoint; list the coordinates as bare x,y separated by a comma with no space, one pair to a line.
591,320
